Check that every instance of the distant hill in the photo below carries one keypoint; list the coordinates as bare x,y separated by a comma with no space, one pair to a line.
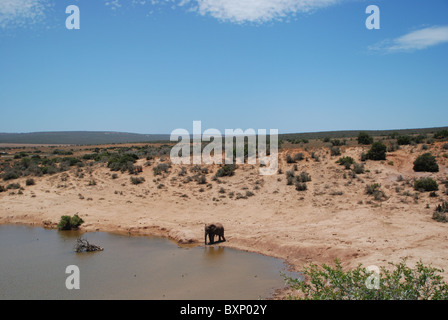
354,133
107,137
80,137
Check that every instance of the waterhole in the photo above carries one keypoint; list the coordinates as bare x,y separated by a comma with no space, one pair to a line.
33,262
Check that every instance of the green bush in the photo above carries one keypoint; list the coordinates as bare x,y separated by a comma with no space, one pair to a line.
71,161
404,140
374,189
303,177
64,223
10,175
201,179
377,151
299,156
13,186
289,159
62,152
441,134
426,184
346,161
160,168
30,182
426,163
358,168
137,180
401,283
440,212
300,186
335,151
364,138
337,142
121,162
69,223
227,170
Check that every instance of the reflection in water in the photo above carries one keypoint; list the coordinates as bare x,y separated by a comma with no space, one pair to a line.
33,263
213,253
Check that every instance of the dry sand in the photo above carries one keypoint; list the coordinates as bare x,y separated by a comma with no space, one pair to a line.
316,225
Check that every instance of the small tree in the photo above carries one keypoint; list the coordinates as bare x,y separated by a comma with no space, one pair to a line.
377,151
426,184
364,138
427,163
69,223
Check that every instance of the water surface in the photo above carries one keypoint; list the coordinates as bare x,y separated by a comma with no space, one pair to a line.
33,262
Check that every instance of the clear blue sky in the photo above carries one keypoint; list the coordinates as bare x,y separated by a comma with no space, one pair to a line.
154,66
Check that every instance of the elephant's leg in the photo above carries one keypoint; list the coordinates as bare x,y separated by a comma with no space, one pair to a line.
212,238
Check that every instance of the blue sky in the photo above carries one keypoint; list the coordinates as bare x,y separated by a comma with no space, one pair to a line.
151,66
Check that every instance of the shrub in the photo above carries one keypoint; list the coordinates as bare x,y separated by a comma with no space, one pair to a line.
426,163
358,168
290,174
69,223
30,182
135,169
300,186
404,140
2,189
121,162
13,186
299,156
160,168
290,177
71,161
337,142
426,184
377,151
445,146
440,212
401,283
201,179
226,170
364,138
62,152
289,159
374,189
303,177
441,134
371,188
335,151
346,161
137,180
10,175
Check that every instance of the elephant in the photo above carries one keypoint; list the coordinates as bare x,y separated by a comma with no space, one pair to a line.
214,229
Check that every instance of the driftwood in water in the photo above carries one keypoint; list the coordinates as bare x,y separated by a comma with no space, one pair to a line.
82,245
